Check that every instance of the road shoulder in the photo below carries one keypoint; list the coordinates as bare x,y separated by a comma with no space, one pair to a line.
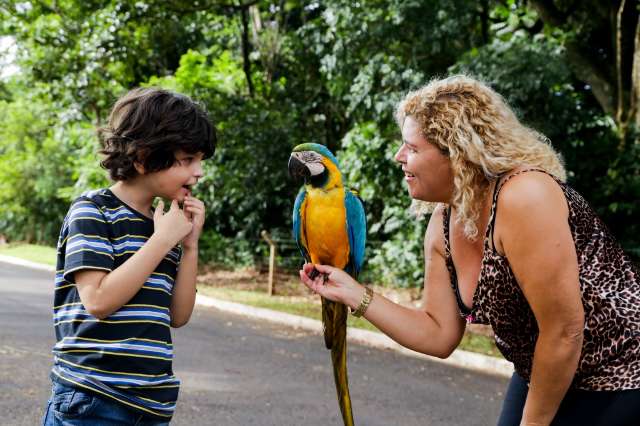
459,358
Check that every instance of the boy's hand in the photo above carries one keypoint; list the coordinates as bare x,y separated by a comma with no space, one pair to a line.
172,226
194,210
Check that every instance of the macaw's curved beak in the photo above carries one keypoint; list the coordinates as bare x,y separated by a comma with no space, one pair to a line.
297,169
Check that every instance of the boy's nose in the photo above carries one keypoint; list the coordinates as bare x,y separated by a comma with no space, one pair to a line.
197,172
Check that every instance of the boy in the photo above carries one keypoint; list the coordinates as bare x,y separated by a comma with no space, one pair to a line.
122,280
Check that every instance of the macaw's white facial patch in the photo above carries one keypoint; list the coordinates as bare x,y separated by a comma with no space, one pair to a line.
315,168
312,160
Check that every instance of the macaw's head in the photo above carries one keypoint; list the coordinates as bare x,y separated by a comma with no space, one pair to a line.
316,165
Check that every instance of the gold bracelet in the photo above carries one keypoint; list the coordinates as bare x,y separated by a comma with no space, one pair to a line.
367,297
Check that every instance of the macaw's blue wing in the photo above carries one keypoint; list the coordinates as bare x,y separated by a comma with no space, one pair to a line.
357,231
298,225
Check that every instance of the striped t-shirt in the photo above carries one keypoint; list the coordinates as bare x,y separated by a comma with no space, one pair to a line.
126,356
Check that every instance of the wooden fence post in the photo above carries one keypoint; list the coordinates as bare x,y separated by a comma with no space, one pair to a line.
272,260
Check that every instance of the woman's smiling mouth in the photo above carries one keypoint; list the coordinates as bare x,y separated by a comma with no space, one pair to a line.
408,176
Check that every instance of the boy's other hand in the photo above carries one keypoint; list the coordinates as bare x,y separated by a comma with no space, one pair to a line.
194,210
173,225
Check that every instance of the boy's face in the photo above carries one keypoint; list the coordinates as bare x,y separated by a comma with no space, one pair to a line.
176,182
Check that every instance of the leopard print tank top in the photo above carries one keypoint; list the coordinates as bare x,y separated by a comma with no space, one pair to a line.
610,287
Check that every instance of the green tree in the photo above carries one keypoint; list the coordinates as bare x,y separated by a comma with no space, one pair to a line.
276,74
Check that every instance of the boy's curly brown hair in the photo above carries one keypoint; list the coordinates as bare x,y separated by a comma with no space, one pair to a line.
148,126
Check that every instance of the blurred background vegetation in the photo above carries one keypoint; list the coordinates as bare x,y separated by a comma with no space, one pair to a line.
273,74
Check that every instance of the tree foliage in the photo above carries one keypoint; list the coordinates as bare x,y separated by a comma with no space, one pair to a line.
274,74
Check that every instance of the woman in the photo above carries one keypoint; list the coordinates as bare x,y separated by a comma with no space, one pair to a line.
511,245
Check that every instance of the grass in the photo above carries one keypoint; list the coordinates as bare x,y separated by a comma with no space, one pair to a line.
32,252
478,343
293,304
302,306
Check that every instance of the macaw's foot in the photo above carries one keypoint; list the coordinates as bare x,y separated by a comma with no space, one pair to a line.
314,273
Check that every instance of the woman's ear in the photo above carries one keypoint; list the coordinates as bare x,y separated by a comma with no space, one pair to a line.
139,167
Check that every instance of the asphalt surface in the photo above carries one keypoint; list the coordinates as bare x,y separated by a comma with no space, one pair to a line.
237,371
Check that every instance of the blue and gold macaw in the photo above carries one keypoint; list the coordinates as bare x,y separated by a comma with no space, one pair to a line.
329,225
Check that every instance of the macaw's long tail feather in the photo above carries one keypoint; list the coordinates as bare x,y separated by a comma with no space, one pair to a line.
336,314
328,313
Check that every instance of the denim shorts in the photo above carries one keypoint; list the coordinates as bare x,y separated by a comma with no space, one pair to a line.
70,406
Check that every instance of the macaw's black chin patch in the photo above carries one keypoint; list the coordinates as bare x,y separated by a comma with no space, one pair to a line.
318,181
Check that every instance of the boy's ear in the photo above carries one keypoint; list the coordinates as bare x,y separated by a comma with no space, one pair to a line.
138,163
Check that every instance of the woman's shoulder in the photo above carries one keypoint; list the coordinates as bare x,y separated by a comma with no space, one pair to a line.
530,205
530,190
434,235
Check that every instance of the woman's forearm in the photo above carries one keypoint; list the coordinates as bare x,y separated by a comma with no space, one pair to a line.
184,290
413,328
426,330
555,362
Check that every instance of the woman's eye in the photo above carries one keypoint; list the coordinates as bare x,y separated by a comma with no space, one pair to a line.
411,148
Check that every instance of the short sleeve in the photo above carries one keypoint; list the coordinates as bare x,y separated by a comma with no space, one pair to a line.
87,244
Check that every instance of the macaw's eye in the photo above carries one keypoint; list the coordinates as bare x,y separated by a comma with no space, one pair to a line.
311,157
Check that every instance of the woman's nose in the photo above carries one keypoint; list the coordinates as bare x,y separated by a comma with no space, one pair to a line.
399,155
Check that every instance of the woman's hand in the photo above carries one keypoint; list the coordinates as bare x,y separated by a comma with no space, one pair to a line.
333,284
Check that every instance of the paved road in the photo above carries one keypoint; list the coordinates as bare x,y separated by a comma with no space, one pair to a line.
237,371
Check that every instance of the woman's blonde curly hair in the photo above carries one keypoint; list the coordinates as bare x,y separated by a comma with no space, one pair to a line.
482,137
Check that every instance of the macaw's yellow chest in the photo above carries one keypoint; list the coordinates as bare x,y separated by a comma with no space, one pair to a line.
325,227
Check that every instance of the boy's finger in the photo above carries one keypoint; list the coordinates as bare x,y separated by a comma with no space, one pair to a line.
194,209
157,213
174,205
187,213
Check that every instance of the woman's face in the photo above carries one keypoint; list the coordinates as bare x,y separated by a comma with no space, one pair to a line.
426,168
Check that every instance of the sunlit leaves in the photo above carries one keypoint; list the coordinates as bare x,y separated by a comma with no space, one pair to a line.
329,72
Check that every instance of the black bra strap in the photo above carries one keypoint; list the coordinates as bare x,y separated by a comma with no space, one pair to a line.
496,192
446,219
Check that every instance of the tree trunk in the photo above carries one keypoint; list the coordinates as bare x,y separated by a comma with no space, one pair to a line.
615,85
246,61
635,79
580,60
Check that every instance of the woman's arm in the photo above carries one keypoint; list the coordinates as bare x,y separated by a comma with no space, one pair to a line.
436,329
533,232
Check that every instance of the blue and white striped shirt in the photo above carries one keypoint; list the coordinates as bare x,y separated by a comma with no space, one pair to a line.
127,356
